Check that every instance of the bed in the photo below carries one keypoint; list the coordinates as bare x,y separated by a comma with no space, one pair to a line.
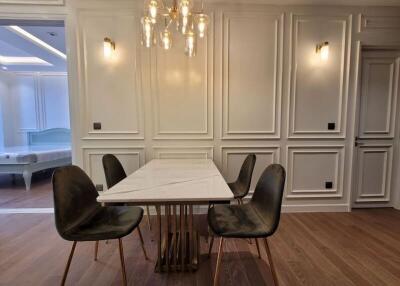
46,149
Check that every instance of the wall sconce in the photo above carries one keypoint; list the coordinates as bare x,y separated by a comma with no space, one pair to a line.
109,47
323,50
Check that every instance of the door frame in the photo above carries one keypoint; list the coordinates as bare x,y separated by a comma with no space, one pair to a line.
56,13
395,184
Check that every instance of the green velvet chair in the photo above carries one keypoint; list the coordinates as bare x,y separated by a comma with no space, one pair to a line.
114,172
257,219
79,217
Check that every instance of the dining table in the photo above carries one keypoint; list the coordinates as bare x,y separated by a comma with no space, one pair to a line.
174,187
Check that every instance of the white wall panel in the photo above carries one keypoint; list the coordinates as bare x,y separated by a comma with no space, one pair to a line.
132,158
112,96
252,74
25,92
378,23
55,100
183,152
233,158
318,89
182,90
309,168
374,173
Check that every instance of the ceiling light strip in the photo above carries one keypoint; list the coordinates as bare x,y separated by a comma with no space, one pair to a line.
18,30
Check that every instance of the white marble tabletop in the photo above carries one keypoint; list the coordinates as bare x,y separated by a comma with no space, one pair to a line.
170,180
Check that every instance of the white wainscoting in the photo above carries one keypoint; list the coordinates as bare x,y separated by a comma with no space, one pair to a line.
182,98
255,86
251,92
378,23
110,99
36,101
233,158
318,89
310,167
183,152
132,158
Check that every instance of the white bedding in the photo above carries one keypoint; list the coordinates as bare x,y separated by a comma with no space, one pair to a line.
33,154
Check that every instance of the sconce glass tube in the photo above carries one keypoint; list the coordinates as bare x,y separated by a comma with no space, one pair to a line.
108,47
323,51
202,24
190,44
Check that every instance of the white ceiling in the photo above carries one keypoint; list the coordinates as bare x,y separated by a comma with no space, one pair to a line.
14,45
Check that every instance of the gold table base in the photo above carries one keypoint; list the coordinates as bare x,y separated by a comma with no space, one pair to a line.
178,243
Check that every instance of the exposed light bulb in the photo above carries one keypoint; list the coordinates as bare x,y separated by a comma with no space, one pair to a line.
148,38
184,7
166,39
153,10
184,24
202,23
190,44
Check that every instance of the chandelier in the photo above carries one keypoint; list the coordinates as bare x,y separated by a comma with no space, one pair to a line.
190,23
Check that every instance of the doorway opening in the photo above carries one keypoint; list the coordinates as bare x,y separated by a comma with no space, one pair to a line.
35,134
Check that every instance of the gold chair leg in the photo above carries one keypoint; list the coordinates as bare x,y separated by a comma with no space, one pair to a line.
258,248
211,245
271,264
142,243
219,258
68,264
96,250
121,256
148,217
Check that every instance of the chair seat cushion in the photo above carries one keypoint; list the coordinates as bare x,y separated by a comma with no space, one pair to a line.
240,221
106,223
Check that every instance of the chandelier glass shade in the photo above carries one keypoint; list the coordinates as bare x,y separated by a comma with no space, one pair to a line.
159,20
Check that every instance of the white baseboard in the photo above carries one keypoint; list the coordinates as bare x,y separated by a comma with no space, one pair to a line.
26,211
286,208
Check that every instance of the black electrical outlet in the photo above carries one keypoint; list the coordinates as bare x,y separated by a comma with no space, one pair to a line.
328,185
99,187
331,126
96,125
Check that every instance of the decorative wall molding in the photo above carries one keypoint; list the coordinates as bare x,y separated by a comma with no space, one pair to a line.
337,178
34,2
208,93
113,16
345,45
383,195
183,152
378,23
88,152
226,31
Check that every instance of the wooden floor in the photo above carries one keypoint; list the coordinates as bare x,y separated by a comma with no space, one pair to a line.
14,195
358,248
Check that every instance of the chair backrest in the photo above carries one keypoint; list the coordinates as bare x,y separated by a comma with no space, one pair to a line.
74,197
267,197
113,170
246,172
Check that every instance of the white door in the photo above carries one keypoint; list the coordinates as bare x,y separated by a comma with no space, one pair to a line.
376,129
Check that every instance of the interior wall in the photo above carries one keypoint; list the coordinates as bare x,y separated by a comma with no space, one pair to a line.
34,101
256,85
